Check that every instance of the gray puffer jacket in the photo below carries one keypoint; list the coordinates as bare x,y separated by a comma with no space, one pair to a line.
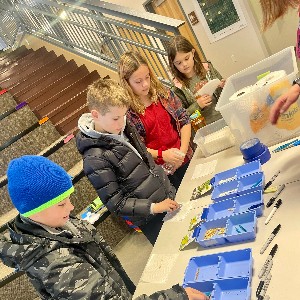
122,171
71,265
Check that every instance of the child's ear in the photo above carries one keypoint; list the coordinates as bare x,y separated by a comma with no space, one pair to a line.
193,51
95,114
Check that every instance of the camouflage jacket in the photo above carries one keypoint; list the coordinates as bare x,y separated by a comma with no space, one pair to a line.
70,266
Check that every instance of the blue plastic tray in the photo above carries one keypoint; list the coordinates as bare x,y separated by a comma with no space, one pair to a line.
237,228
226,289
217,266
236,173
238,204
244,185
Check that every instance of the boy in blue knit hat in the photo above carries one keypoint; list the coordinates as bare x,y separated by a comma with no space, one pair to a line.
63,256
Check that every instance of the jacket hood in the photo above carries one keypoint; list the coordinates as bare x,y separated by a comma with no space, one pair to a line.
89,137
86,125
19,250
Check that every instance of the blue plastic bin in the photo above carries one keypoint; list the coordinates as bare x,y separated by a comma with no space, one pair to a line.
244,202
217,266
226,289
218,239
241,227
238,172
238,204
232,289
220,209
244,185
235,264
238,227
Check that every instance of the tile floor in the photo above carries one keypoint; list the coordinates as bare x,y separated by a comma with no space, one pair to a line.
133,252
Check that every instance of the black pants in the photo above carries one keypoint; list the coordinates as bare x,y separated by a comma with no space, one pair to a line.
177,177
152,228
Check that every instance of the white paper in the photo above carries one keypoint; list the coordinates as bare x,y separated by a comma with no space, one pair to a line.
202,170
158,267
209,87
181,214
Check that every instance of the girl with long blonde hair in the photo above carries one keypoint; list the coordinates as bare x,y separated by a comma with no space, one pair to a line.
158,116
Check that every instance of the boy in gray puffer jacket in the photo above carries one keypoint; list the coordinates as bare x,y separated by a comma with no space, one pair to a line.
117,163
64,258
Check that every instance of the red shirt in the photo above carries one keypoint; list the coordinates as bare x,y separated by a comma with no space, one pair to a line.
160,133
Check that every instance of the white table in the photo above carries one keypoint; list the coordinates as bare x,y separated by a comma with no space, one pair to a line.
286,262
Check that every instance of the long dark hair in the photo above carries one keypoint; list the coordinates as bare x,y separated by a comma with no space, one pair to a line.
180,44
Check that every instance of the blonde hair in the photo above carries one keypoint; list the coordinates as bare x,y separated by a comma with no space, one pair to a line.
104,93
180,44
274,9
129,62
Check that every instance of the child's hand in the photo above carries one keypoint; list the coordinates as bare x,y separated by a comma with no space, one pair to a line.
166,205
204,100
177,83
223,81
173,157
195,294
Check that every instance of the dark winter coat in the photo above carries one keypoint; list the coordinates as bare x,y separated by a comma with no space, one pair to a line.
126,183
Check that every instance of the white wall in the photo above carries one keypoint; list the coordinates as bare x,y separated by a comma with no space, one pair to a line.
246,45
283,32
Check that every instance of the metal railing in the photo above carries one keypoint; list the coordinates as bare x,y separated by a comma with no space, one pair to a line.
9,27
97,30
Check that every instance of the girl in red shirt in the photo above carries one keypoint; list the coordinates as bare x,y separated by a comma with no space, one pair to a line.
158,116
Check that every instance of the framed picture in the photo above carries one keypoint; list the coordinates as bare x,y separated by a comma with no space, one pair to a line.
221,18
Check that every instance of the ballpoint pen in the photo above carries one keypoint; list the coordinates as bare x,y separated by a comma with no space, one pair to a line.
270,239
271,201
276,206
271,180
268,260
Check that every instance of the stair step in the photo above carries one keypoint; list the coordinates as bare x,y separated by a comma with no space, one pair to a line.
70,151
32,143
7,211
69,124
55,88
16,123
22,64
13,56
38,76
66,108
38,63
65,95
57,75
7,102
19,288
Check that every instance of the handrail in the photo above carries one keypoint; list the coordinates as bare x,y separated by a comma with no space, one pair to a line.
97,30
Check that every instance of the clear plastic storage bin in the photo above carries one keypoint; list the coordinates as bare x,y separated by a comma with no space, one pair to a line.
214,137
248,115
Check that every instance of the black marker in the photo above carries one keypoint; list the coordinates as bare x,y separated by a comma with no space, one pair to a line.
271,180
271,201
267,262
270,239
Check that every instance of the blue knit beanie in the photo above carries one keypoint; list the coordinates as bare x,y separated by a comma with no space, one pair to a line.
36,183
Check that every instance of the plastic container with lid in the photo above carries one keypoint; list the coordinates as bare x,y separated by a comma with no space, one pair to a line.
214,137
248,115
